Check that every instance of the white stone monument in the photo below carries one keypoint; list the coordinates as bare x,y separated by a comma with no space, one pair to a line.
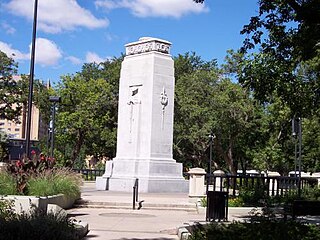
145,121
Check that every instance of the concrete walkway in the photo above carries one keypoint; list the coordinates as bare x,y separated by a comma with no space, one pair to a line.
110,215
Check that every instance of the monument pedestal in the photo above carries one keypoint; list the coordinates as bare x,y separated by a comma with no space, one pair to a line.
145,122
154,175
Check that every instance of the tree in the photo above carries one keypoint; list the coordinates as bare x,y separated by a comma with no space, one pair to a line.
86,118
192,121
288,34
206,101
3,146
311,143
10,102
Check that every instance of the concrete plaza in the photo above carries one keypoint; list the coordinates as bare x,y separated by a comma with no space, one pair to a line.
110,214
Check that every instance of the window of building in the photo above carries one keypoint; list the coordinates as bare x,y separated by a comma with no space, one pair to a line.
1,123
9,129
17,129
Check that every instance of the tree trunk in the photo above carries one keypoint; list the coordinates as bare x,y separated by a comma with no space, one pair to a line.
226,155
76,149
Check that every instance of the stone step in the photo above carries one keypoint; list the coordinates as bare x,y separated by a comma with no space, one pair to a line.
125,205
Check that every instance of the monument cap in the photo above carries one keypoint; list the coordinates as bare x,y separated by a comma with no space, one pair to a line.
148,44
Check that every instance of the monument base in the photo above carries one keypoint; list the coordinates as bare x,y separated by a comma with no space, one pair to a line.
149,185
154,175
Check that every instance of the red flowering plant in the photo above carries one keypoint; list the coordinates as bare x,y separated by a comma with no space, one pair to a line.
25,168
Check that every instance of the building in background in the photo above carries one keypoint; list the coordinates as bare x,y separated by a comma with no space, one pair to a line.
16,131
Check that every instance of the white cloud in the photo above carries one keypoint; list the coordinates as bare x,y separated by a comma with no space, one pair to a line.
74,60
55,16
47,52
93,57
155,8
9,29
14,53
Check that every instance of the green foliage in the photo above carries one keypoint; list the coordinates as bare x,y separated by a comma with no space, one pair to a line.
6,209
86,118
7,184
10,94
206,101
235,202
287,34
311,143
253,196
4,152
23,170
55,181
36,225
195,80
264,229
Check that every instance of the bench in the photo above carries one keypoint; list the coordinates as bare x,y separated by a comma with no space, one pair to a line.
305,207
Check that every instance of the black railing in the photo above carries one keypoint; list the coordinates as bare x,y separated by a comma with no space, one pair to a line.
135,197
273,186
90,174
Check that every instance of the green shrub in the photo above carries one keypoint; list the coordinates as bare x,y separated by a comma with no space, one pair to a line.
55,181
40,186
253,196
67,182
7,184
264,230
235,202
37,225
6,209
23,169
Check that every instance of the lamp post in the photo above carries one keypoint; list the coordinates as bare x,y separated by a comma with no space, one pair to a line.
297,132
33,50
54,100
209,171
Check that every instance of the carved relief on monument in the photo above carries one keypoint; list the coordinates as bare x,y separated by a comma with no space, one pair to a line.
163,99
164,102
134,99
148,47
134,94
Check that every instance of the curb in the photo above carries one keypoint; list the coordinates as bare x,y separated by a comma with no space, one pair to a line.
183,233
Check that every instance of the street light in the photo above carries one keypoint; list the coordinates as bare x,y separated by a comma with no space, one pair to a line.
212,136
54,100
33,50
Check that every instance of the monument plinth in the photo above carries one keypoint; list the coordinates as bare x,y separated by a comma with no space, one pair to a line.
145,121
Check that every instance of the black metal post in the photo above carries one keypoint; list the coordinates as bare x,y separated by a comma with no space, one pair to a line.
54,100
33,51
137,190
295,134
52,130
48,139
134,197
300,155
295,157
211,137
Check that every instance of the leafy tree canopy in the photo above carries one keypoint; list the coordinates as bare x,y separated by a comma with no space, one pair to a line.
10,102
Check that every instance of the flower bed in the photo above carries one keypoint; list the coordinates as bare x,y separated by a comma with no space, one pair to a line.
37,182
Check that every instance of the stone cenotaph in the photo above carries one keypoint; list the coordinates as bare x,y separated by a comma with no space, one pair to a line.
145,123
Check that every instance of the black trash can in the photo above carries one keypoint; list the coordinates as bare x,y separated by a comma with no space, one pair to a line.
217,206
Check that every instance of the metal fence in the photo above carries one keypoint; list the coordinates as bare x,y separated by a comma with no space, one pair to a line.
90,174
273,186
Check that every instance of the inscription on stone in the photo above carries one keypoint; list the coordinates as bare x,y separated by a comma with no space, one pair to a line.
150,46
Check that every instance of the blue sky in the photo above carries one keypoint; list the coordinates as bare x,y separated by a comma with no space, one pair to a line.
73,32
